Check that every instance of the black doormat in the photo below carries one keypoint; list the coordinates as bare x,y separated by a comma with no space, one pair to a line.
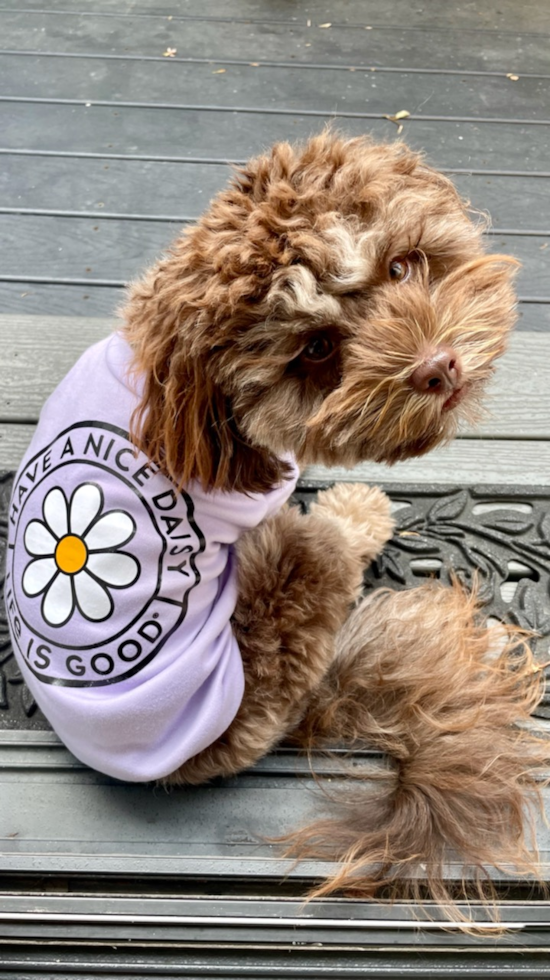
497,536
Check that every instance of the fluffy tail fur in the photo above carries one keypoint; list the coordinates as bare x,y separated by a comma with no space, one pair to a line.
421,678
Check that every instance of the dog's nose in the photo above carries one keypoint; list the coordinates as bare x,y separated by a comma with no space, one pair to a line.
439,372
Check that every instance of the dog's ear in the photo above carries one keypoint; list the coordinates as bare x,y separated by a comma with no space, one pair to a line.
184,421
185,425
181,423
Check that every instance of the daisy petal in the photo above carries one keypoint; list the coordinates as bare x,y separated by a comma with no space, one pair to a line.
55,512
86,504
93,600
110,531
58,604
113,568
38,575
39,540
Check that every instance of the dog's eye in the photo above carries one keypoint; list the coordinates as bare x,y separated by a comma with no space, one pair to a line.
318,349
399,270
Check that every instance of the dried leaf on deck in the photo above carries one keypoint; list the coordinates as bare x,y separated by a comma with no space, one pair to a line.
396,118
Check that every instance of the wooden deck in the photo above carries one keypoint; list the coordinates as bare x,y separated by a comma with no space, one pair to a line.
108,144
119,119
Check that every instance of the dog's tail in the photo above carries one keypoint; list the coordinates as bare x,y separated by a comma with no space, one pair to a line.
448,700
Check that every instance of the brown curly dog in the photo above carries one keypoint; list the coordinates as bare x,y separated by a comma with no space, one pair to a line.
335,302
333,305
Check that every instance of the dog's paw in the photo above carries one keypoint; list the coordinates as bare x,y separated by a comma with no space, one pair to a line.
363,514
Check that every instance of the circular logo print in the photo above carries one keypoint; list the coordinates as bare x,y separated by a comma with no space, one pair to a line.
101,558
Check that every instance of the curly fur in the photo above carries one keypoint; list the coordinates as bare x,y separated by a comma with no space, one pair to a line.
419,676
292,259
292,601
298,246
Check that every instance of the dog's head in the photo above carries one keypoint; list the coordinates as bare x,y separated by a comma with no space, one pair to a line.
334,302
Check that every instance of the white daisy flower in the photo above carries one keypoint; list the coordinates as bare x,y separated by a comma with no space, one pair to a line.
75,554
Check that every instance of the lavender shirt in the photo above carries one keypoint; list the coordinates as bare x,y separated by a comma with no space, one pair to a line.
119,589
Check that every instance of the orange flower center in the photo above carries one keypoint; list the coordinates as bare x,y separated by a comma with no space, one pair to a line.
71,554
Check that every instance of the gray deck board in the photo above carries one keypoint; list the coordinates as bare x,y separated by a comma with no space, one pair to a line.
116,250
177,190
234,135
264,41
104,827
33,298
142,188
84,248
465,113
466,461
531,16
320,91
